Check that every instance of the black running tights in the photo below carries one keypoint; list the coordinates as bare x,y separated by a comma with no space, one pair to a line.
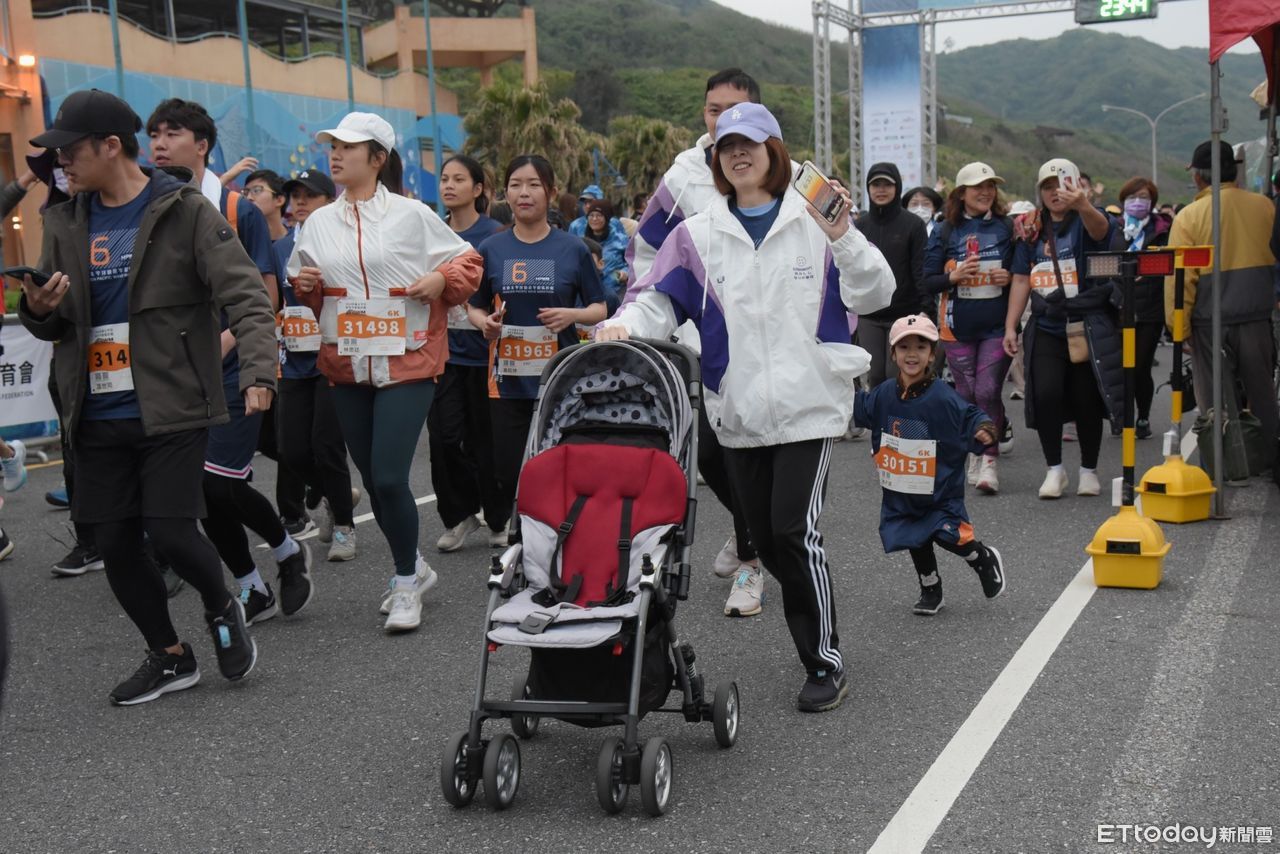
926,561
234,505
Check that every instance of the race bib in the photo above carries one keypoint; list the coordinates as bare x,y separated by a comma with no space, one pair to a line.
981,286
1043,280
371,327
523,351
457,319
299,330
907,465
110,363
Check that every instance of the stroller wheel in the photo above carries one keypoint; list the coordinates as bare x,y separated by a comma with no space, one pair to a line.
611,788
656,772
458,788
724,713
524,726
501,771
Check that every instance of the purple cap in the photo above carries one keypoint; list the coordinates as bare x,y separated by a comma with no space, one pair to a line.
750,120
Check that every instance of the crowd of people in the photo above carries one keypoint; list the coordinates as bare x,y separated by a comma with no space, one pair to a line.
219,318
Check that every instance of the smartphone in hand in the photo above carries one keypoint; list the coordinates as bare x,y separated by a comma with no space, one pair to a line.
39,277
819,193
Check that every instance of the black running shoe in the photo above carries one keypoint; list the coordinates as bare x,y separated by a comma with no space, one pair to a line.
990,571
296,527
930,601
79,560
823,691
237,652
258,607
161,673
295,581
1142,429
6,545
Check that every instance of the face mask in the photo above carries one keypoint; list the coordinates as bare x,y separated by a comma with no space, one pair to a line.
1137,208
923,211
60,179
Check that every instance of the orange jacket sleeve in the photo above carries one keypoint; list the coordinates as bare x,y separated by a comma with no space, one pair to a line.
461,277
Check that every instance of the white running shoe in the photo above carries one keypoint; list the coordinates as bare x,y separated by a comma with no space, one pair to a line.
1055,482
744,596
988,481
343,546
405,611
498,539
454,538
1069,432
974,463
424,579
323,517
1089,484
15,468
727,562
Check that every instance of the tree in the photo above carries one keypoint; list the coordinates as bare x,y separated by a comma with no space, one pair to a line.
598,93
509,120
642,149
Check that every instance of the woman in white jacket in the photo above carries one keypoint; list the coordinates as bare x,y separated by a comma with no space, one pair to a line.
768,283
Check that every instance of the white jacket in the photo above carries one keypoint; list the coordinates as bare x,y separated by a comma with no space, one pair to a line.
776,359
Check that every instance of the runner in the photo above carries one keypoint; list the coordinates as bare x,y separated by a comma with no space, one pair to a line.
182,135
381,271
921,432
138,372
687,189
968,263
538,283
308,433
769,284
458,426
1085,377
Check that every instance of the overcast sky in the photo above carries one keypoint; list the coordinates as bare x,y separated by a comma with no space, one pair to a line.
1180,23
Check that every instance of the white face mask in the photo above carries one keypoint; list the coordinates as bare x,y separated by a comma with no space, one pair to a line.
60,179
923,211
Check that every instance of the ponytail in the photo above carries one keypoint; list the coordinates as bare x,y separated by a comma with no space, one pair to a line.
392,172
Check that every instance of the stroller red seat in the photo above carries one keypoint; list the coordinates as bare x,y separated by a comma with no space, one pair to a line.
594,500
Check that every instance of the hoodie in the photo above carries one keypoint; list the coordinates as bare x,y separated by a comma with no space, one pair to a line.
901,237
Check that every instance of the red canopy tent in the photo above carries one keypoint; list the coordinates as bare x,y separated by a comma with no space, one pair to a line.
1233,21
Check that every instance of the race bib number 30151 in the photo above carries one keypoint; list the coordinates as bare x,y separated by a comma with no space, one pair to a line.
110,362
371,327
907,465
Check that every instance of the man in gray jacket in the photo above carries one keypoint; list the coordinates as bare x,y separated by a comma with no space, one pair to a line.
143,264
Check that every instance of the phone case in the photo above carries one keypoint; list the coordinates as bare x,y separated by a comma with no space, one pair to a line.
813,185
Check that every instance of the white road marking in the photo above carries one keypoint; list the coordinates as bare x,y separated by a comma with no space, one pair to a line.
363,517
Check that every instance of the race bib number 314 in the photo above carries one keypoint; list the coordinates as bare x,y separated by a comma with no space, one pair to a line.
110,362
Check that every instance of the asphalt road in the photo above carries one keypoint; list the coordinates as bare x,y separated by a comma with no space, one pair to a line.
1158,707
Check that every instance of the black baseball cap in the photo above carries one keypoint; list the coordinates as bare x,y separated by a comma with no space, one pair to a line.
1203,156
315,181
88,112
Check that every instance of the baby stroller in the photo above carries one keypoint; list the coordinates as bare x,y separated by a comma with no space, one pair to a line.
605,510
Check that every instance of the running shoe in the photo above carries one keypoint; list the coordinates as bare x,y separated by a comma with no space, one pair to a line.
930,601
1089,484
237,652
1006,438
1016,395
79,560
58,498
258,606
296,588
296,527
343,546
1069,432
972,474
454,538
323,518
746,593
6,545
499,539
405,612
990,571
15,468
823,691
424,579
1055,482
988,480
1142,429
161,673
727,563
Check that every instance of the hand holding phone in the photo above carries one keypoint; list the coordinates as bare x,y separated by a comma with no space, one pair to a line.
38,277
820,193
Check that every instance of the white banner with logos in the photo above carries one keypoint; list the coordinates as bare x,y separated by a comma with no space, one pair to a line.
24,378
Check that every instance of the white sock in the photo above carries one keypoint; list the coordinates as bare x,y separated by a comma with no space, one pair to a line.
1058,469
406,582
255,581
286,550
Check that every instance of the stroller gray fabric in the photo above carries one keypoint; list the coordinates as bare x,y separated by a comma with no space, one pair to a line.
609,396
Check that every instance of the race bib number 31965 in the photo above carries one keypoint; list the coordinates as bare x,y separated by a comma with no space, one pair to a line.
523,351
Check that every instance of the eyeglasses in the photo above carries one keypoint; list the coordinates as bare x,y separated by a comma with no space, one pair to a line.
258,189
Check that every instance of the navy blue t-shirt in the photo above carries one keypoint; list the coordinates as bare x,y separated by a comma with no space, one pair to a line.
255,237
112,232
556,272
467,346
757,220
1073,241
293,366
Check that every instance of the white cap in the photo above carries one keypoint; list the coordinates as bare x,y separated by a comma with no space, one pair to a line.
1059,168
361,127
976,173
1020,207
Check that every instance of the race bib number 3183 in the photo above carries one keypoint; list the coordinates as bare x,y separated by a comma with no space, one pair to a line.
907,465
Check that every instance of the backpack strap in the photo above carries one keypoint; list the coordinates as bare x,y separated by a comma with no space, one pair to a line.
233,211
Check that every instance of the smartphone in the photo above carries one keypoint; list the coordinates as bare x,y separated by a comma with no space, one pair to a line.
819,193
306,259
37,276
971,246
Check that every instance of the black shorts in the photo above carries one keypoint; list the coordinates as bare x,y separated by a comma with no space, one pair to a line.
233,444
121,473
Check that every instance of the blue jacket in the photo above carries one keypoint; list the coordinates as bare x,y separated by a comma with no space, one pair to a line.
615,250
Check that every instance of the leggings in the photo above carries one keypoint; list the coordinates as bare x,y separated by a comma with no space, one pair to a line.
979,369
1061,386
1148,338
711,464
382,426
926,561
233,505
873,336
509,419
311,445
461,443
137,583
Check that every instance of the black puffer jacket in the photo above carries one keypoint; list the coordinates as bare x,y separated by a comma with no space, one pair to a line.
1148,291
901,237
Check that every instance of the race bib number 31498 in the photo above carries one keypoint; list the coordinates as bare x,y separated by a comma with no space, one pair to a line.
371,327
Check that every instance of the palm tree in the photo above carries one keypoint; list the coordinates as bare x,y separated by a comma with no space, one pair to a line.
642,149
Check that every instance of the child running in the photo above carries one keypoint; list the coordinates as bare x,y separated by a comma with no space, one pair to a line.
921,432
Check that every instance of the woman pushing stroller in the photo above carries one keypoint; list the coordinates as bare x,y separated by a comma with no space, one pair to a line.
769,283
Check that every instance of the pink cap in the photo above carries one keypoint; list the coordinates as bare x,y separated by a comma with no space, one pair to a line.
916,324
